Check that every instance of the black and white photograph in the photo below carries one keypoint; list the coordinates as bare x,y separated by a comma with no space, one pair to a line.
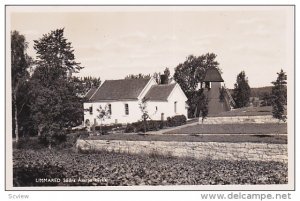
150,97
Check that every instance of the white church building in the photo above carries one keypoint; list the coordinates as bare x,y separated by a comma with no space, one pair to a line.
122,98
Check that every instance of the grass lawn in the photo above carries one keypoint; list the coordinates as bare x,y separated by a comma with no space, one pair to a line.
246,111
270,139
269,128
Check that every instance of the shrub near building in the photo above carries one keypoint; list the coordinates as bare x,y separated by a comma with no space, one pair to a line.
153,125
107,128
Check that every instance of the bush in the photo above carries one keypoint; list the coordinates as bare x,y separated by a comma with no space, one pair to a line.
105,129
83,134
162,124
177,120
71,139
155,125
43,140
129,128
59,137
60,141
101,129
29,143
138,126
52,135
151,125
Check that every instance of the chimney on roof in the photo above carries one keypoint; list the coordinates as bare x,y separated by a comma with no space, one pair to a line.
163,79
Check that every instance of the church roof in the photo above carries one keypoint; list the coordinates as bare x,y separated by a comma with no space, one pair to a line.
125,89
160,92
213,75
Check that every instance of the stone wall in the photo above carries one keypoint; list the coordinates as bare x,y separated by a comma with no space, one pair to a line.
198,150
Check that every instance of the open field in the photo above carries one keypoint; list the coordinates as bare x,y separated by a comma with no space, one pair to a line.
267,128
115,169
270,139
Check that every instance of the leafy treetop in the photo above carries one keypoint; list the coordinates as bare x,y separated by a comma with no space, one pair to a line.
54,51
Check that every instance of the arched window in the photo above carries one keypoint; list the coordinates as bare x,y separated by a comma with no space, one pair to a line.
175,107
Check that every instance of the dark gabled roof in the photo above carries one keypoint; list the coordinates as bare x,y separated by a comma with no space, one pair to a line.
159,92
89,94
212,75
126,89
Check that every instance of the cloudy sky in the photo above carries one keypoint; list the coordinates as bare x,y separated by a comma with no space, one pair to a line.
112,42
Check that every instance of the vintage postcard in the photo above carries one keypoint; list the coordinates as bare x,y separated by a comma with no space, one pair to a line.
150,97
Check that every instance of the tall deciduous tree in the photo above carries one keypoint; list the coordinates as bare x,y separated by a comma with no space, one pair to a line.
279,96
56,104
20,62
241,91
189,74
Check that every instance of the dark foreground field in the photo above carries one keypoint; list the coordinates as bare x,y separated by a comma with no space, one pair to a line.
67,168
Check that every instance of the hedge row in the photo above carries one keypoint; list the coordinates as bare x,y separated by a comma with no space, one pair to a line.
154,125
104,129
